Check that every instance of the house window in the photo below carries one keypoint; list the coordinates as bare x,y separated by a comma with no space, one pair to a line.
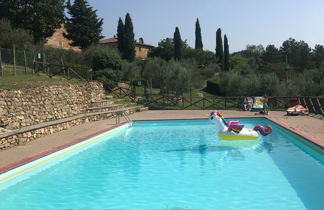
139,49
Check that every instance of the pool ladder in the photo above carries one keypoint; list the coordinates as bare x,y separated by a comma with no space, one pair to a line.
129,121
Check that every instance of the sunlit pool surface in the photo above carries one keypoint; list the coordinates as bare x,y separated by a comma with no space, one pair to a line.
176,165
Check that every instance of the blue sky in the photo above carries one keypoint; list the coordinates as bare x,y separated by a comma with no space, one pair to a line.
243,21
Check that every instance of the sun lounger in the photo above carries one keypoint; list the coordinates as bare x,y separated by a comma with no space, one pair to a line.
258,104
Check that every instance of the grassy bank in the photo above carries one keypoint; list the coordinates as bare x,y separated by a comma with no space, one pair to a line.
20,81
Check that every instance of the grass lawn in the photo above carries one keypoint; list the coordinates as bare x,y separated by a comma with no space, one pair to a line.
20,81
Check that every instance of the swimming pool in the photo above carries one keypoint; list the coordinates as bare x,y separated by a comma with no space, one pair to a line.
176,164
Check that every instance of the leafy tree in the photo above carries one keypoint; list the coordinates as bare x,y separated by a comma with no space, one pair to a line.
198,42
129,41
41,17
131,71
298,54
120,36
165,49
106,58
210,70
18,37
238,63
108,77
83,26
272,61
107,65
318,55
219,48
178,48
226,54
253,51
176,79
203,58
271,55
153,71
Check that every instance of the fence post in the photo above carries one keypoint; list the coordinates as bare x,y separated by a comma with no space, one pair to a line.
25,61
34,62
63,69
45,64
225,105
183,102
68,72
14,59
203,102
1,67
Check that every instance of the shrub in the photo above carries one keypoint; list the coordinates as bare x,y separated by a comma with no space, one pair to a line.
213,86
210,70
106,59
130,71
108,77
18,37
176,79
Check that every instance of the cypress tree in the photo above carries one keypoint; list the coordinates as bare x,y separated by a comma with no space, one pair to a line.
129,41
177,44
120,36
198,43
219,48
226,54
83,27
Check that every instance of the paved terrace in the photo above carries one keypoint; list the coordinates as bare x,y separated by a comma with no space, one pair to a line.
309,126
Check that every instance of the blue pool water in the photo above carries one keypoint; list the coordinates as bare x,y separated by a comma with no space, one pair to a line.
177,165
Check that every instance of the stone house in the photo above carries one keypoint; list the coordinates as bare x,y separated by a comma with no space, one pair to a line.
141,49
57,40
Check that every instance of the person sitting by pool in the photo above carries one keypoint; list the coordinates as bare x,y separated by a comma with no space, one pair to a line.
247,103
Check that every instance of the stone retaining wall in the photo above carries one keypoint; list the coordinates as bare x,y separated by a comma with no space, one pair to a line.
20,108
18,138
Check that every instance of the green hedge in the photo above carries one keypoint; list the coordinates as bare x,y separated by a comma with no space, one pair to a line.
213,87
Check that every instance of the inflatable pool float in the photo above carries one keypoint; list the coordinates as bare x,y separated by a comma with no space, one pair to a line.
232,131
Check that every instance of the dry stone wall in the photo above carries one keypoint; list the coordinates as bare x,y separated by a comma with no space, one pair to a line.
19,108
20,137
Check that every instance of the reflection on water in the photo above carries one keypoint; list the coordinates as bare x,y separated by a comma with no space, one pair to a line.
232,152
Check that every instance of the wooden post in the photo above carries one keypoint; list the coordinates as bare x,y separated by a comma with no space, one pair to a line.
183,102
68,72
1,67
203,102
225,105
45,64
14,59
63,69
34,62
25,61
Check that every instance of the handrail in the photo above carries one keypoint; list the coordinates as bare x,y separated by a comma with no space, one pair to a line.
129,121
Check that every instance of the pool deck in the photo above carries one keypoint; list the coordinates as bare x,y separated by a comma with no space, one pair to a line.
306,126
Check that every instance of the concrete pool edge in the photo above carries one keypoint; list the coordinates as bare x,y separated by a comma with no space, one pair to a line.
310,139
27,160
